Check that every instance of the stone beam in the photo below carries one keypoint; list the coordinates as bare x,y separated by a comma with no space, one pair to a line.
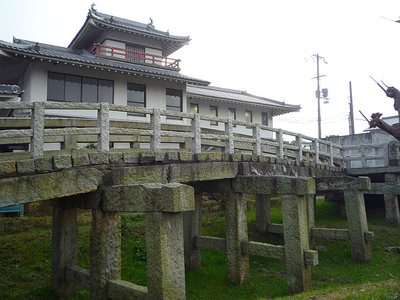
274,185
263,249
332,184
150,197
32,188
120,289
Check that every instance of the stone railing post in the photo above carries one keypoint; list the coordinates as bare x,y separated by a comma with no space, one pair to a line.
229,146
103,123
330,151
299,143
64,249
37,125
279,140
196,131
363,156
155,126
105,251
315,144
257,137
236,233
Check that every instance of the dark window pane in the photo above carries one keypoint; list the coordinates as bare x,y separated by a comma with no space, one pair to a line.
73,88
264,118
213,113
194,108
55,86
248,116
174,100
89,90
136,95
106,91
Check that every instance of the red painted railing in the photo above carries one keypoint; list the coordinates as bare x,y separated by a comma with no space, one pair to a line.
135,56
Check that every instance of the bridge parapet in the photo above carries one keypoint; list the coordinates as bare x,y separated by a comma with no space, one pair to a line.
156,132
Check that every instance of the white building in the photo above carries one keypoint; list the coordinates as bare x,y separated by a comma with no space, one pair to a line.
125,63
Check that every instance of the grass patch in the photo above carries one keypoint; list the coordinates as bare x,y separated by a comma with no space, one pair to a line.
25,257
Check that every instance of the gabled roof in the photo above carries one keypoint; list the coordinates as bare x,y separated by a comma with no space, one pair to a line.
240,97
96,23
21,52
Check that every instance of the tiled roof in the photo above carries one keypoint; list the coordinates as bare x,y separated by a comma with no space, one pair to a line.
96,23
229,95
61,54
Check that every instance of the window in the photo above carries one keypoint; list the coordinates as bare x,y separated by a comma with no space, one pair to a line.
194,108
136,96
232,114
132,52
248,116
264,118
72,88
213,113
174,100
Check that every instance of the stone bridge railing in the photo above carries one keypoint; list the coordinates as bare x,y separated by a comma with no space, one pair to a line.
41,129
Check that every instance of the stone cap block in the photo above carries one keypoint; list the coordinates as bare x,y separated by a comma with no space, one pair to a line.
149,197
342,183
274,185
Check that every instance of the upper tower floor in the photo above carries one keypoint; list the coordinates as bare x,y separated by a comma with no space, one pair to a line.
122,39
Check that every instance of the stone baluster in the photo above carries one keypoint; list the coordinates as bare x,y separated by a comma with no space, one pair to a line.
103,123
196,131
229,145
155,126
257,136
37,125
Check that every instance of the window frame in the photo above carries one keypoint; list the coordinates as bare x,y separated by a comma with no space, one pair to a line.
214,123
169,93
266,118
137,87
63,82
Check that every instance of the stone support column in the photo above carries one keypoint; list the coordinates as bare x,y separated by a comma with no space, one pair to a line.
392,208
64,249
236,232
263,212
165,256
294,211
311,201
357,224
192,228
105,251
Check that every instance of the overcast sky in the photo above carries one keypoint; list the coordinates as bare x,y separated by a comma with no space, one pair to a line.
262,47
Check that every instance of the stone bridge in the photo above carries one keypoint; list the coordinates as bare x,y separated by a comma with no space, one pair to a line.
166,185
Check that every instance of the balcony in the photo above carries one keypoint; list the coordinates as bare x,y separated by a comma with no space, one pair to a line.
135,56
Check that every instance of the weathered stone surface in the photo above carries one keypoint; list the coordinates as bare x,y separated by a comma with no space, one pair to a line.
265,250
98,158
202,171
165,256
294,215
64,249
311,258
105,251
201,157
80,159
147,157
131,157
62,162
8,167
171,197
43,164
78,276
115,157
392,208
274,185
120,289
191,228
186,156
39,187
236,233
342,183
330,233
140,174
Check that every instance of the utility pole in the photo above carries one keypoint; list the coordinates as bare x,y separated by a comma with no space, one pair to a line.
319,93
351,128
